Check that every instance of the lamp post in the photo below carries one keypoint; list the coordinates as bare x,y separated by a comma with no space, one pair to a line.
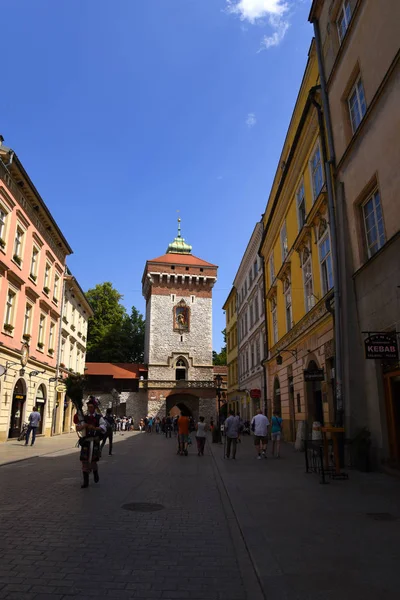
218,389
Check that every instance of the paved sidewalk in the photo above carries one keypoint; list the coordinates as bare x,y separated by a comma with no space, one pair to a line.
14,451
310,541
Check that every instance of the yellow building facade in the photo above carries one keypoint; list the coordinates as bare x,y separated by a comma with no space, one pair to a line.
232,350
297,252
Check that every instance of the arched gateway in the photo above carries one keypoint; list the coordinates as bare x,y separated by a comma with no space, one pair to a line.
177,287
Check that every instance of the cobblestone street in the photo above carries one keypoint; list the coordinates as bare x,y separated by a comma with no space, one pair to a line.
232,530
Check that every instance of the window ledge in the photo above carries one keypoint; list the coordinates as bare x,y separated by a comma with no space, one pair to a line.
7,333
34,281
17,264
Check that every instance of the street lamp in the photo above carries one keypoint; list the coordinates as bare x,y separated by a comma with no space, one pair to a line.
218,389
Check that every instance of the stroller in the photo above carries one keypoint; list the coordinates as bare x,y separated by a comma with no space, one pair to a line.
246,428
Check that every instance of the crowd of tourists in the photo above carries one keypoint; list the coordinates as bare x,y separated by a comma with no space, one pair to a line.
96,429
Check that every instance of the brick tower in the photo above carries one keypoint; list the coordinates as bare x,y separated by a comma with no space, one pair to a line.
178,287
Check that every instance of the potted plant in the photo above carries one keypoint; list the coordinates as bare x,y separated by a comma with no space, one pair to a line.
17,259
8,327
27,337
51,350
62,365
40,345
2,243
55,300
65,320
73,327
33,277
46,289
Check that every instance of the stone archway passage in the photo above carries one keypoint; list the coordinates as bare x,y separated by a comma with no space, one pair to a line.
183,403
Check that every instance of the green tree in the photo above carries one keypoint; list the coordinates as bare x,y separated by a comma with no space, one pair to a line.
113,335
219,358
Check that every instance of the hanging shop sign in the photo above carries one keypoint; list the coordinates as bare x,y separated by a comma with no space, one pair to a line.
256,393
314,375
382,346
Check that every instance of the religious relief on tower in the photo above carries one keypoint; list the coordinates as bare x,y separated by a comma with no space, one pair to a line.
181,317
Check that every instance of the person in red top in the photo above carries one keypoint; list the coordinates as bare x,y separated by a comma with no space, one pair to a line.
183,434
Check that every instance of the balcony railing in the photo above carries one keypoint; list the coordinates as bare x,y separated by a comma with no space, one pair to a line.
179,384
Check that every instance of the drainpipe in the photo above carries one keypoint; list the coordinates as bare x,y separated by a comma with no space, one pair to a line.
266,336
59,350
335,265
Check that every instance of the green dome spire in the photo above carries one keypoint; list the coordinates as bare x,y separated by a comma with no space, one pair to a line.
179,246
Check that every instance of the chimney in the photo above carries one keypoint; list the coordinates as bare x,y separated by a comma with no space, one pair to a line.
1,140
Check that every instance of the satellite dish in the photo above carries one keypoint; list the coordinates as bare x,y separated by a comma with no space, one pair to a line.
2,370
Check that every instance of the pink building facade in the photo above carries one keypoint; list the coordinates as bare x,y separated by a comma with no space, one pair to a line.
33,252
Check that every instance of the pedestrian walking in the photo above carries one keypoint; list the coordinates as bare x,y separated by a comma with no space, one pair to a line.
201,436
276,433
231,427
93,427
183,435
157,425
168,427
259,425
34,420
109,419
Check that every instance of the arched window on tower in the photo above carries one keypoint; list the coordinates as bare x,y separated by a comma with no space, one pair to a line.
180,370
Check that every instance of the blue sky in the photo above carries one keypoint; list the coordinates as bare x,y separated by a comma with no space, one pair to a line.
124,112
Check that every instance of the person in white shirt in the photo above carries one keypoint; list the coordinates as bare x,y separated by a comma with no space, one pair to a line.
259,425
34,420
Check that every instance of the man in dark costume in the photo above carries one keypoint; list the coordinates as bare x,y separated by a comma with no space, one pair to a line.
93,427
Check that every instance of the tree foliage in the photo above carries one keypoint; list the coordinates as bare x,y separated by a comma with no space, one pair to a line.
219,358
113,334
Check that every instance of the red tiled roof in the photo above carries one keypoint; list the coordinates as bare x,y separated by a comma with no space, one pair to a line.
220,369
181,259
117,371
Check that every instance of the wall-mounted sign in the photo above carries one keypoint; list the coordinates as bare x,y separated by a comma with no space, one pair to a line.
314,375
256,393
24,354
382,346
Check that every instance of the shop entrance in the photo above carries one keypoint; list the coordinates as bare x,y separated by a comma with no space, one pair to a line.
392,389
17,409
315,407
40,402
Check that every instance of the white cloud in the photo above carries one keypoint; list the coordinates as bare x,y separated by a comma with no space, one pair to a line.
272,12
251,120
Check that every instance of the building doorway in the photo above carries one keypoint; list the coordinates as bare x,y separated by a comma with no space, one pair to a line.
40,402
392,394
277,407
183,403
17,409
292,416
315,409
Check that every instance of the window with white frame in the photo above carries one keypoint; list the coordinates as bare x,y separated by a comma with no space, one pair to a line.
42,327
10,309
256,311
19,236
325,259
317,176
73,314
373,223
284,242
56,289
51,335
3,217
255,267
287,290
301,206
274,317
27,319
78,361
262,302
343,19
71,354
307,280
251,311
271,269
258,358
246,329
357,104
34,263
62,353
46,282
247,360
252,355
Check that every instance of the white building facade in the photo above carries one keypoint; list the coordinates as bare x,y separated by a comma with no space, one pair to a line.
251,328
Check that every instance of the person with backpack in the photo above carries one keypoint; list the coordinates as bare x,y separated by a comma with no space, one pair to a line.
109,419
276,433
